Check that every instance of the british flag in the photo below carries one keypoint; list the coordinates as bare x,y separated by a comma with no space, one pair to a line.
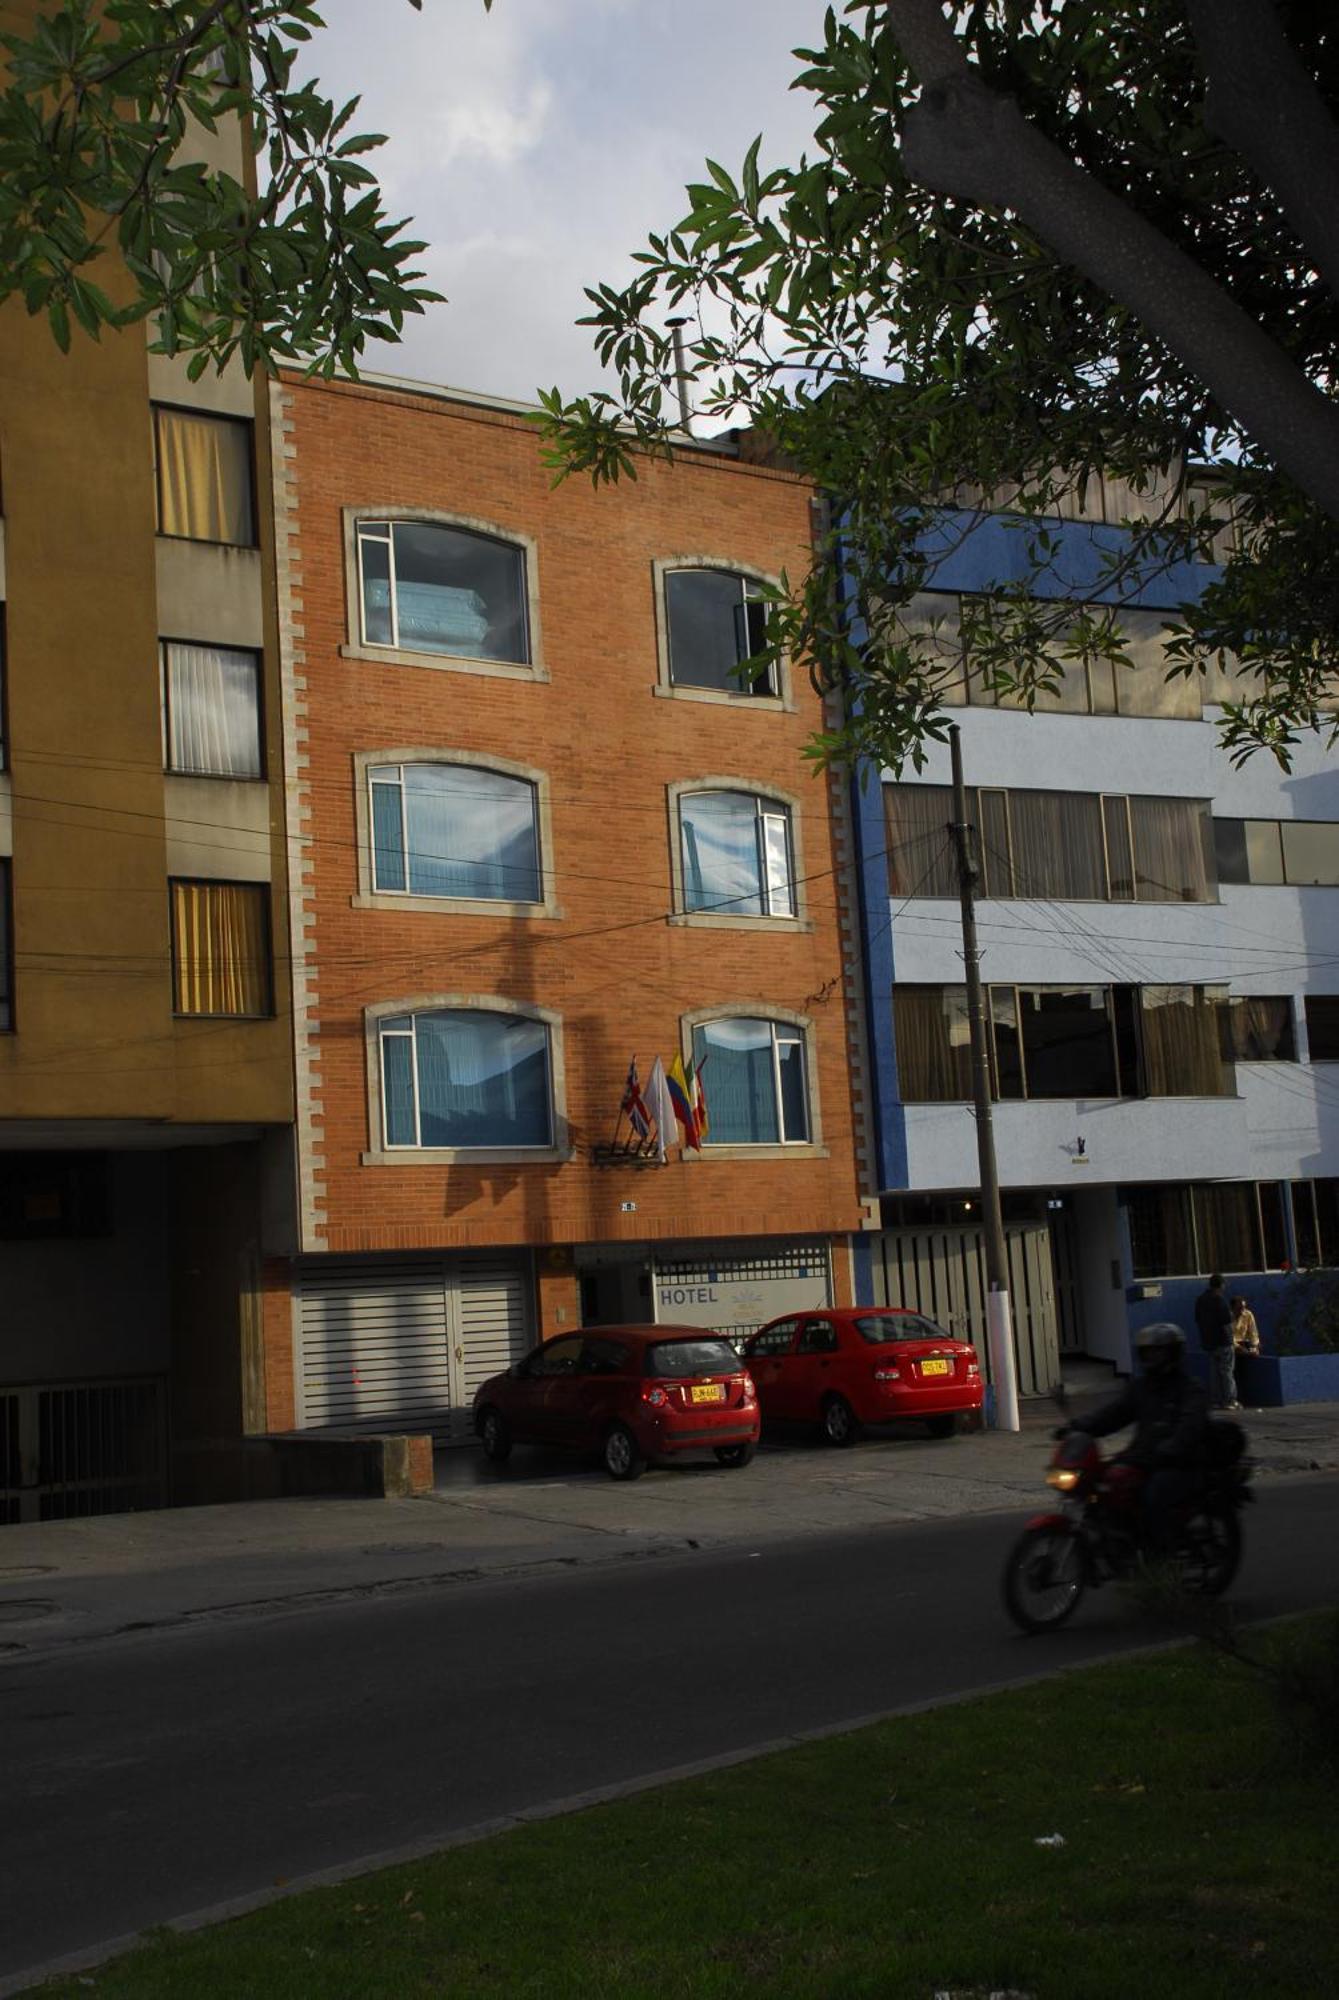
634,1104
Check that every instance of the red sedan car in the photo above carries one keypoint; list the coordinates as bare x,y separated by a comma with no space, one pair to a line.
863,1365
632,1393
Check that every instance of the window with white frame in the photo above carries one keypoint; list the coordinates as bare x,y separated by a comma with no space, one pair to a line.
716,619
753,1078
211,710
736,850
426,587
465,1077
457,830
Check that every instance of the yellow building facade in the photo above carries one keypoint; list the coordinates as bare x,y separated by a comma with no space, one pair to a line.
145,1050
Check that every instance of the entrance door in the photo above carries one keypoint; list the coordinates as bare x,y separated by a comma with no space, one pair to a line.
941,1272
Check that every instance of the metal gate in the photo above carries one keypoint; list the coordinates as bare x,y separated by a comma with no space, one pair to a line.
405,1342
942,1273
69,1449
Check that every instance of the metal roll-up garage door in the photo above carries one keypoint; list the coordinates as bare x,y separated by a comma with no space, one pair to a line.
405,1342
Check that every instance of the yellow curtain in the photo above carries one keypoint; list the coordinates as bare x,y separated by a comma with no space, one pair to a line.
204,478
222,960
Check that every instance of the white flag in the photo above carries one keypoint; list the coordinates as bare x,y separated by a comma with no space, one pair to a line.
660,1105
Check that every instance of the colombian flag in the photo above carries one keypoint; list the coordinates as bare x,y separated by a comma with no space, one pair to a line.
681,1097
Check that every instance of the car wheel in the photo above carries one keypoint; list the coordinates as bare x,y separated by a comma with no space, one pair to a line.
839,1424
735,1454
941,1427
494,1436
621,1454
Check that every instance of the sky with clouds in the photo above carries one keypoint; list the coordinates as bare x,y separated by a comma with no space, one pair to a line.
536,146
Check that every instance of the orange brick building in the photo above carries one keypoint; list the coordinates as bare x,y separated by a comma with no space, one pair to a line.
536,829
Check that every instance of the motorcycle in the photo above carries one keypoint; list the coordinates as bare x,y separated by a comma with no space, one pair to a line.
1098,1537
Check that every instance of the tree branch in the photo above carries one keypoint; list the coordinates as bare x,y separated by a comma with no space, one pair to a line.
1262,103
962,139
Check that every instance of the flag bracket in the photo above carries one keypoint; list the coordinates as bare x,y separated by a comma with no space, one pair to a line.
631,1152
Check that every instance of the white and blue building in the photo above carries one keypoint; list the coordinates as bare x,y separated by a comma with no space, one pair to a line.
1160,948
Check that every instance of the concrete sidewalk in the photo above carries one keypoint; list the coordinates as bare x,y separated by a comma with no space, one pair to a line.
67,1582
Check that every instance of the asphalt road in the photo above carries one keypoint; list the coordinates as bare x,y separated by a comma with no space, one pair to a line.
148,1778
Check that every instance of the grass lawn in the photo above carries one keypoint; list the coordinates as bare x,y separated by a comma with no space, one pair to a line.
1199,1859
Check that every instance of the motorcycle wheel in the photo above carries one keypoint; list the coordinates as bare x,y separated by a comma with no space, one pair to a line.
1044,1578
1210,1551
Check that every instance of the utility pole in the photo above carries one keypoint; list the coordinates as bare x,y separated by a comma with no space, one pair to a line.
999,1328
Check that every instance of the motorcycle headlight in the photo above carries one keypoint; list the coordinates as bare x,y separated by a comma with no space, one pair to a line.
1063,1477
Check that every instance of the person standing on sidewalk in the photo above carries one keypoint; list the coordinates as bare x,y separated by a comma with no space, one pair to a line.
1213,1317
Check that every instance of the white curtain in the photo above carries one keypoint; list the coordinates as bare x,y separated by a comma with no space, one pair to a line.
213,711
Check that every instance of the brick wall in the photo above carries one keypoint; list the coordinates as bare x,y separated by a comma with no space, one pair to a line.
619,976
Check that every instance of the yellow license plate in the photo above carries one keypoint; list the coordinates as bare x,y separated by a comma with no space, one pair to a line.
708,1392
936,1368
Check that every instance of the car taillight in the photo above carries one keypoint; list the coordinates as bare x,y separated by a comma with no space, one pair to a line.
654,1395
887,1374
750,1393
973,1366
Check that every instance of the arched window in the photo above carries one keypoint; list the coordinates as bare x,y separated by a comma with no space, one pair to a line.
716,619
737,854
754,1080
466,1077
446,829
427,587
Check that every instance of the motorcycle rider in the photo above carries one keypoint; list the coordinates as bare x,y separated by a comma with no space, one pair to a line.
1170,1412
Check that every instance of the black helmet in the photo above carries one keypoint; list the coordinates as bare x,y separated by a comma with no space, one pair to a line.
1160,1345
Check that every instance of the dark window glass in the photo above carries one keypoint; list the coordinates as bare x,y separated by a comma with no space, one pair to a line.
878,1330
1272,1224
921,859
1327,1220
1009,1078
430,588
1125,1014
1162,1243
716,622
1120,857
1068,1048
1227,1224
932,1040
773,1340
1229,843
1258,1029
604,1357
817,1336
556,1357
1304,1224
1322,1026
677,1358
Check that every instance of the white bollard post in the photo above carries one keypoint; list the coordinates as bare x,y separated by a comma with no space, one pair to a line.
1003,1374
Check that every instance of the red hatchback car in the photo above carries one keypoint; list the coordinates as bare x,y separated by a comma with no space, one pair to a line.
632,1393
863,1365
